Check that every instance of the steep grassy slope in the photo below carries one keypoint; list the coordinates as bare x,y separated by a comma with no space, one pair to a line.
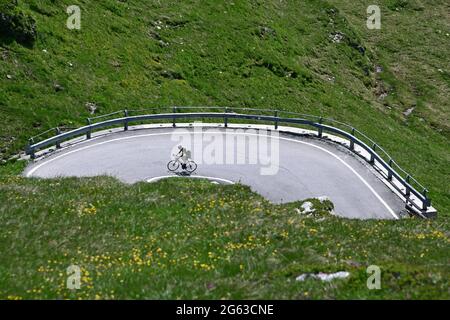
270,54
413,44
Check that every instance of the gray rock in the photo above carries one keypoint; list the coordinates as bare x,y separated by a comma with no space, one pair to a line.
163,44
91,107
58,87
408,112
337,37
266,31
307,208
327,277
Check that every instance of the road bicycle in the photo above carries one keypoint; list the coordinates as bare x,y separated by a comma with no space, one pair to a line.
173,165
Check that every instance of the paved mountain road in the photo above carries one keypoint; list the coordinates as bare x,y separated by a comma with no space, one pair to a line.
305,167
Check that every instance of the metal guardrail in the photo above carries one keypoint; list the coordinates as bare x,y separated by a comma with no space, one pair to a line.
409,185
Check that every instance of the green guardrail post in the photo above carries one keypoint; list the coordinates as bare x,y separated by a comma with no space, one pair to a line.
427,202
407,191
125,114
58,143
372,156
390,170
352,143
320,130
88,134
225,119
31,150
276,120
174,110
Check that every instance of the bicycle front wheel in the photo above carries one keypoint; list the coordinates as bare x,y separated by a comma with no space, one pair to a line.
173,165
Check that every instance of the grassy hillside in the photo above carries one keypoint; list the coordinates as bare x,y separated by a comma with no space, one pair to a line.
205,241
306,56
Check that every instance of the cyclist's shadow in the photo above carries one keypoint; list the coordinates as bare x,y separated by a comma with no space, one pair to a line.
183,174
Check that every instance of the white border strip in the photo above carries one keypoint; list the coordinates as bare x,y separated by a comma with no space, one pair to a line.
155,179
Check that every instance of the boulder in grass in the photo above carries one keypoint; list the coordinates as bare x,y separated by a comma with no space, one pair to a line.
316,207
326,277
91,107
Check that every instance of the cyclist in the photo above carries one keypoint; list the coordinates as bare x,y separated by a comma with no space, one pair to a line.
183,156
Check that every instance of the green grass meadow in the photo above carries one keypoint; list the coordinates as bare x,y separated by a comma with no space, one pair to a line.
183,239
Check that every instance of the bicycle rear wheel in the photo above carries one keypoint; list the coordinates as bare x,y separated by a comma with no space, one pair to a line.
191,166
173,165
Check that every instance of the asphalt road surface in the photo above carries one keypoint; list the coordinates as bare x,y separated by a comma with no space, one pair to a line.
287,168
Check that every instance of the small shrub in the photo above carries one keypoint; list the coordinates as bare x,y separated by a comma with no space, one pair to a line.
16,24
